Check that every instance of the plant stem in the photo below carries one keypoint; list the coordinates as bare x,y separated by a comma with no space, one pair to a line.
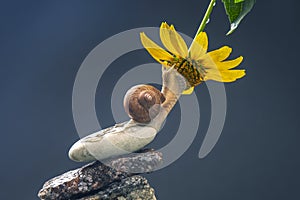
206,16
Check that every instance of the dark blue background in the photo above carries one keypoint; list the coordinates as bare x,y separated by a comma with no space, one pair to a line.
43,43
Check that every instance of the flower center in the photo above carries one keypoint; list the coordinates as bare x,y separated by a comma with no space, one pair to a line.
188,68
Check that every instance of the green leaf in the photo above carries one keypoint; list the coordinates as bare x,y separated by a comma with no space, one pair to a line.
236,11
238,1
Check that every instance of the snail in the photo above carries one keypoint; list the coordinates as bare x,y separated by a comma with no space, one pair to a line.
142,103
147,107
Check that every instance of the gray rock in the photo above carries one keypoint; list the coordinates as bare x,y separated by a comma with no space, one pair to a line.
135,187
114,178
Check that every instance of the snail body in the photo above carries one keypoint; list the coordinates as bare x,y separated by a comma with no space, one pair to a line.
147,107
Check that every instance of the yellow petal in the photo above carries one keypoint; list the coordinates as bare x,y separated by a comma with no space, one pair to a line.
172,40
220,54
199,46
188,91
230,63
208,62
159,54
165,37
224,76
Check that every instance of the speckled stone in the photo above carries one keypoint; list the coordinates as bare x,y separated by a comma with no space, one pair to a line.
135,187
97,177
143,161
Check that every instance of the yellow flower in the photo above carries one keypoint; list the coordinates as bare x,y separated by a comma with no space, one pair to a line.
195,64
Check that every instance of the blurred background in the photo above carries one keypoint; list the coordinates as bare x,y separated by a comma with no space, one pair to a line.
43,43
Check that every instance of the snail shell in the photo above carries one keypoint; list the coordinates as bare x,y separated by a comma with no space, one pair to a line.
142,103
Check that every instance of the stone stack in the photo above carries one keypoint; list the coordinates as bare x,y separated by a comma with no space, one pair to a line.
116,178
